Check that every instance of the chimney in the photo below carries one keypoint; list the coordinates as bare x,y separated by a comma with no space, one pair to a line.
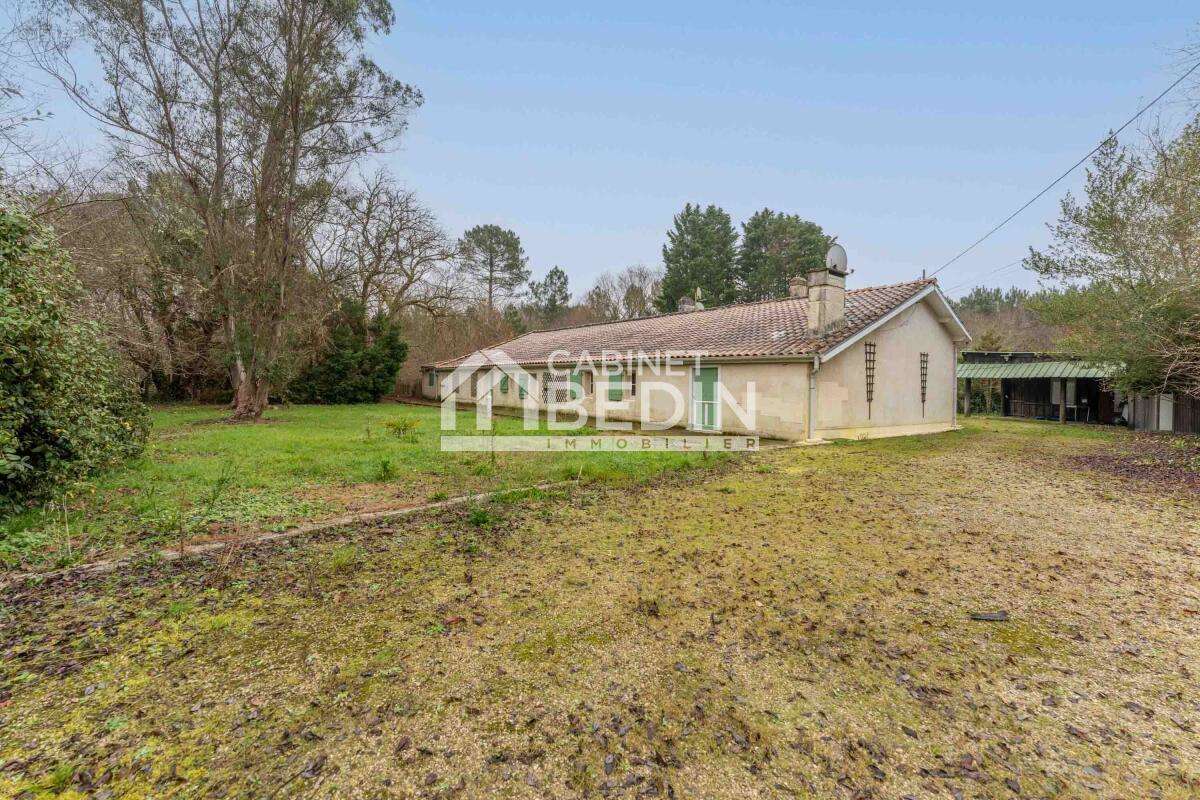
689,304
827,293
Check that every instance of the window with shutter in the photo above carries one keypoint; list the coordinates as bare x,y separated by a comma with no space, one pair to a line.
615,391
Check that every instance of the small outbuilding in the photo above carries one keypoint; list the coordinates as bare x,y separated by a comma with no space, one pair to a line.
1042,386
1056,387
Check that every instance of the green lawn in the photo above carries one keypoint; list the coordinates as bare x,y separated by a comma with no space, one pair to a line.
201,477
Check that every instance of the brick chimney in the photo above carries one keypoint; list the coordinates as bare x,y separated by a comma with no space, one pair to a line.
826,289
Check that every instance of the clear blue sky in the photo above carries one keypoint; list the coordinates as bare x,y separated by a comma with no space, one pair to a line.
907,131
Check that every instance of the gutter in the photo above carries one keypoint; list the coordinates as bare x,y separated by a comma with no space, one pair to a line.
683,359
812,398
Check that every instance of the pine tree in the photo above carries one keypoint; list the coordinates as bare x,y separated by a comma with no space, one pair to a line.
493,256
551,296
699,254
776,248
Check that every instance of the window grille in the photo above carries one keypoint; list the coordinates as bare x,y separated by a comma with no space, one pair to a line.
633,381
869,350
556,388
924,380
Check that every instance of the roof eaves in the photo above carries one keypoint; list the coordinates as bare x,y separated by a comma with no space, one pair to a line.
877,323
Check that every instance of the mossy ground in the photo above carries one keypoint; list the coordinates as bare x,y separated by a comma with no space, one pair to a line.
791,625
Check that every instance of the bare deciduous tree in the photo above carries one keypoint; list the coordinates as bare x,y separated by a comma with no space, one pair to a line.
379,245
140,256
257,106
628,294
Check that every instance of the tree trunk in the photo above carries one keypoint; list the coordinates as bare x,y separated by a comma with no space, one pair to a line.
250,400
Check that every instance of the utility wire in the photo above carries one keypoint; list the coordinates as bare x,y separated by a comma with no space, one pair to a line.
988,274
1072,168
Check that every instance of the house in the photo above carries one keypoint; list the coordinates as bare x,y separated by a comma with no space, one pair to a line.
822,363
1057,387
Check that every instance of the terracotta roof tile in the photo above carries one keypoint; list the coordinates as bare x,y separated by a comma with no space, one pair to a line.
742,330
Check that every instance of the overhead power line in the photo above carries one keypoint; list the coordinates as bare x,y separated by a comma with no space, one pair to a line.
1071,169
990,273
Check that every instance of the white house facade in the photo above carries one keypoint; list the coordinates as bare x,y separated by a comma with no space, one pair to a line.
823,363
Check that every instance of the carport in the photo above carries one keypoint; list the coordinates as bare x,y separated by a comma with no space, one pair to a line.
1042,386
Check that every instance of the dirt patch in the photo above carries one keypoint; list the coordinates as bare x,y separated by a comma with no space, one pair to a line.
1163,461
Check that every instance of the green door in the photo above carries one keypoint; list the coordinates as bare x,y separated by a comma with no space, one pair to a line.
576,385
615,390
705,416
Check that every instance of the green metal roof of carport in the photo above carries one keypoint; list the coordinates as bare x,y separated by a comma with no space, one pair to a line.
1036,369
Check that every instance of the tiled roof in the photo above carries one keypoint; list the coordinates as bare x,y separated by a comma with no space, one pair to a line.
743,330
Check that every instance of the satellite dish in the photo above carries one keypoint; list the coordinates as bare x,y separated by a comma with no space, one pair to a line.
836,261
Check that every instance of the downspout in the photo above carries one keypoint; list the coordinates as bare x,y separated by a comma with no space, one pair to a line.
812,395
954,392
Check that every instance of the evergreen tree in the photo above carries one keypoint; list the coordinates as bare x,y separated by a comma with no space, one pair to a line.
776,248
991,299
699,254
493,256
551,296
360,363
1126,253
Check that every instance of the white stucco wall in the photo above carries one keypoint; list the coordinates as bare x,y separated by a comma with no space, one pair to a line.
781,389
780,392
842,385
430,392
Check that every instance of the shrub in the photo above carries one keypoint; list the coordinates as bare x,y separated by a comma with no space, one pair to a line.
66,409
359,363
385,470
403,427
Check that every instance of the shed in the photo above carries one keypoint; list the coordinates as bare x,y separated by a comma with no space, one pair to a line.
1044,385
